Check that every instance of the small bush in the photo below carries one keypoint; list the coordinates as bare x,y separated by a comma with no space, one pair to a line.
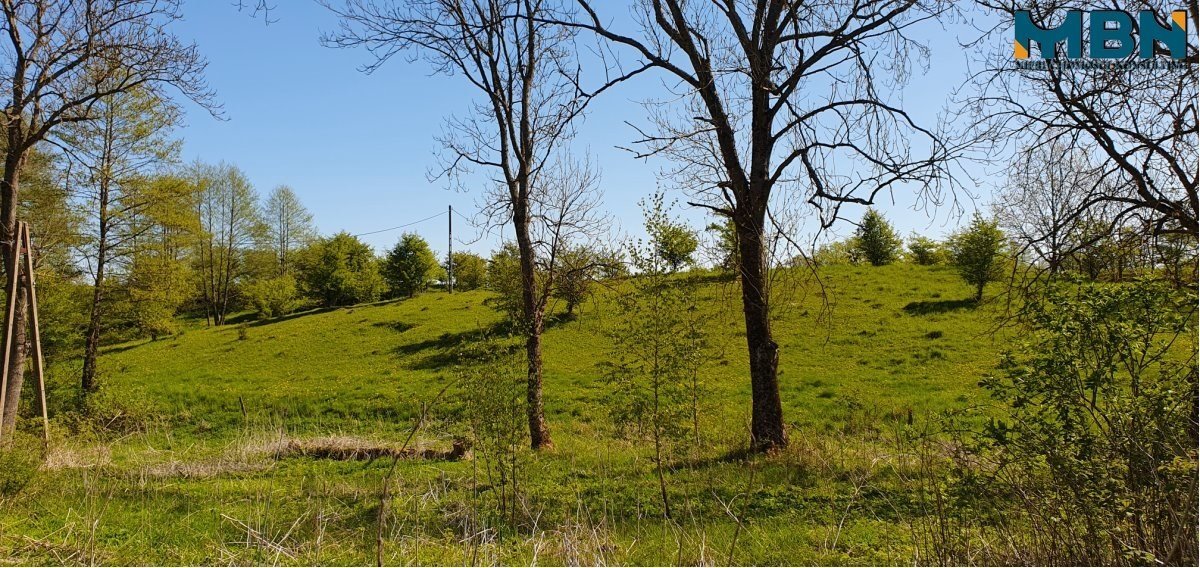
1091,457
20,456
273,297
504,278
978,253
838,253
409,266
340,271
106,412
925,251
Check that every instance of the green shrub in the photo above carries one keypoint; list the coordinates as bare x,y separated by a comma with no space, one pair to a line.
491,401
577,272
673,241
925,251
339,271
470,271
978,253
108,413
1092,457
409,266
504,278
273,297
20,456
876,240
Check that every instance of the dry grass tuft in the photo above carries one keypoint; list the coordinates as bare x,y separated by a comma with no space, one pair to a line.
203,469
67,457
351,448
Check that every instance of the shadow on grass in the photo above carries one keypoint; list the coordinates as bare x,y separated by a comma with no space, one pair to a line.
113,349
291,316
735,455
252,320
396,326
928,307
451,349
712,278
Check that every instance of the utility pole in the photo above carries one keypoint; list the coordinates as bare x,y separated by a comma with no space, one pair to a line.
450,249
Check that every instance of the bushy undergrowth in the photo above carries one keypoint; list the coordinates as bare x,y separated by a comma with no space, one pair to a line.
1091,458
20,455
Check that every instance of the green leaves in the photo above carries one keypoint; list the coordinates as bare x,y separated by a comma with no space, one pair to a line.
978,253
409,265
1101,406
340,270
876,240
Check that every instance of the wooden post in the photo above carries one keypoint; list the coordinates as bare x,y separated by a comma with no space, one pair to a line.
38,367
23,244
13,267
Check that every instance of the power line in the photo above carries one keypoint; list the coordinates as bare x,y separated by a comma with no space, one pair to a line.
431,217
461,215
467,219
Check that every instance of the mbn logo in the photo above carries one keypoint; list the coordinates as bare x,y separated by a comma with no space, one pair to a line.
1111,35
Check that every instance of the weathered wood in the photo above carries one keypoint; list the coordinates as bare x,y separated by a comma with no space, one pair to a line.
11,307
38,367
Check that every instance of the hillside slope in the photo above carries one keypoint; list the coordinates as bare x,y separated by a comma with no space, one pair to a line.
895,337
180,474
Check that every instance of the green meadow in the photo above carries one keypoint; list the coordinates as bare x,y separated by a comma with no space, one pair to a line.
200,448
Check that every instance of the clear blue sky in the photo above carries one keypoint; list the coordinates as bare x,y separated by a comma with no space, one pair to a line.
356,147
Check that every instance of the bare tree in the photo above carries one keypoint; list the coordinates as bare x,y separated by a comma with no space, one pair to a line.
1041,204
256,8
61,57
781,96
568,219
115,156
1137,123
229,223
289,225
523,66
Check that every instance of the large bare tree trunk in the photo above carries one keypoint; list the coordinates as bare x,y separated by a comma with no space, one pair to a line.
533,322
9,186
766,411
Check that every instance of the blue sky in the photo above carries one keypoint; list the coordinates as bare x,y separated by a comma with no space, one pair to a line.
356,148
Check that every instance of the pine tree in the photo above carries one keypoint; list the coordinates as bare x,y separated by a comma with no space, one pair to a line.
877,240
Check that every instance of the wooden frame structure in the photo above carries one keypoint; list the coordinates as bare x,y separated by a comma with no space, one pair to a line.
22,247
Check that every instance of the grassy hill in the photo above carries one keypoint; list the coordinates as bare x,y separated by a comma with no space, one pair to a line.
200,457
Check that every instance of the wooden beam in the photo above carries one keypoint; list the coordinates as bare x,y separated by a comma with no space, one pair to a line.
14,277
38,367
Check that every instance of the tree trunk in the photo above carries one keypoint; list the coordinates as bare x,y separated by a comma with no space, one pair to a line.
92,347
766,416
532,316
9,187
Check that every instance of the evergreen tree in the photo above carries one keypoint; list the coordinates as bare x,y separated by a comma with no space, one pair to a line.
877,240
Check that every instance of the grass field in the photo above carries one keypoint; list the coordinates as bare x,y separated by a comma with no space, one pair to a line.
199,455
